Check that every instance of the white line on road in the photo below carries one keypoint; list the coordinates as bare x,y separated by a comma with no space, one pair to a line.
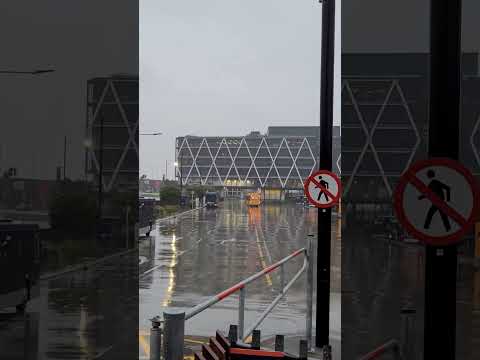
179,254
101,353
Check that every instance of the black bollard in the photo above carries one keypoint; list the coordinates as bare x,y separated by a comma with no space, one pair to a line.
279,343
303,351
233,334
256,339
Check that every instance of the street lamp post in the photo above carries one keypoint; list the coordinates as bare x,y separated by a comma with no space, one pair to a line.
23,72
151,133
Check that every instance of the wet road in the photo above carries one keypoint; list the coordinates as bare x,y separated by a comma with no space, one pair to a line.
207,251
381,276
86,314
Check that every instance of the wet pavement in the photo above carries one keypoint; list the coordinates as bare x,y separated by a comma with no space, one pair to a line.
191,258
381,275
85,314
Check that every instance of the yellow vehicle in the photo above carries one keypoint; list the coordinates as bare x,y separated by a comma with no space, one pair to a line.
253,199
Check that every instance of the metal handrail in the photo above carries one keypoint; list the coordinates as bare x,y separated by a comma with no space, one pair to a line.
391,345
174,322
226,293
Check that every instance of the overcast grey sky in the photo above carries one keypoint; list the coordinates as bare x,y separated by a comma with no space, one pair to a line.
223,67
80,39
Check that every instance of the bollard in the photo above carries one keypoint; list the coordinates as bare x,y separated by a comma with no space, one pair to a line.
303,350
233,334
408,333
155,339
256,339
173,335
327,352
279,343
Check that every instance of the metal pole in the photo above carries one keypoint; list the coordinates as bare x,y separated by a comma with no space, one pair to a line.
155,339
174,333
408,335
180,164
241,313
127,213
325,163
100,181
309,314
443,136
282,278
65,158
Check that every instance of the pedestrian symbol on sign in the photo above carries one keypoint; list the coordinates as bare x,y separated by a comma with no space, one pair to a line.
436,200
438,188
322,184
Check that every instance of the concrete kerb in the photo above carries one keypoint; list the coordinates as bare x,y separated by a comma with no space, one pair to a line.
83,266
157,221
178,215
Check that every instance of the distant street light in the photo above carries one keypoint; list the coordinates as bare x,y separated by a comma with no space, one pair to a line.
152,134
33,72
155,134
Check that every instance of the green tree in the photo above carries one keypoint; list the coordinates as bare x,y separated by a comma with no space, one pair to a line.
73,208
169,195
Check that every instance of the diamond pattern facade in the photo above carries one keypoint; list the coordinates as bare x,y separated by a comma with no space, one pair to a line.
115,101
263,161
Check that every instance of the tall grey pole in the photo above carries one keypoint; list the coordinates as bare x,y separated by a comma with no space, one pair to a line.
443,141
322,323
65,157
100,182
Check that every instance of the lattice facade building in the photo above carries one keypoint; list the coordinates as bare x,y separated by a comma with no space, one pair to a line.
113,103
280,159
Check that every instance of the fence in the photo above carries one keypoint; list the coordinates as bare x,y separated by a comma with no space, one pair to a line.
174,322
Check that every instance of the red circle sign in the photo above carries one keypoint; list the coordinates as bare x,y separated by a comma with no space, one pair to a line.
436,200
326,183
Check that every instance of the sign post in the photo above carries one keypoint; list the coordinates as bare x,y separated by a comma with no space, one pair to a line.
322,328
443,141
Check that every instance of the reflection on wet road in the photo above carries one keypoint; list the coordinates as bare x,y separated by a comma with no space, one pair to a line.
380,277
86,314
202,253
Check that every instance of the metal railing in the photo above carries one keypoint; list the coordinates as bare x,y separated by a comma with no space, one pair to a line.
174,322
390,346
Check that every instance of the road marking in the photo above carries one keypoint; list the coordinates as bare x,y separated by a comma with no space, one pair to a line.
183,252
262,259
100,354
144,345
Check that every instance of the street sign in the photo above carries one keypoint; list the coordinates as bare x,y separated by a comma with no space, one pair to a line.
436,200
323,189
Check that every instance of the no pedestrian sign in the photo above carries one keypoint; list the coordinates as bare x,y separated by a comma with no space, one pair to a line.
323,189
436,200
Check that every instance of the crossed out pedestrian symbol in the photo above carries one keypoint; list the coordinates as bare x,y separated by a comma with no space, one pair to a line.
323,189
436,201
